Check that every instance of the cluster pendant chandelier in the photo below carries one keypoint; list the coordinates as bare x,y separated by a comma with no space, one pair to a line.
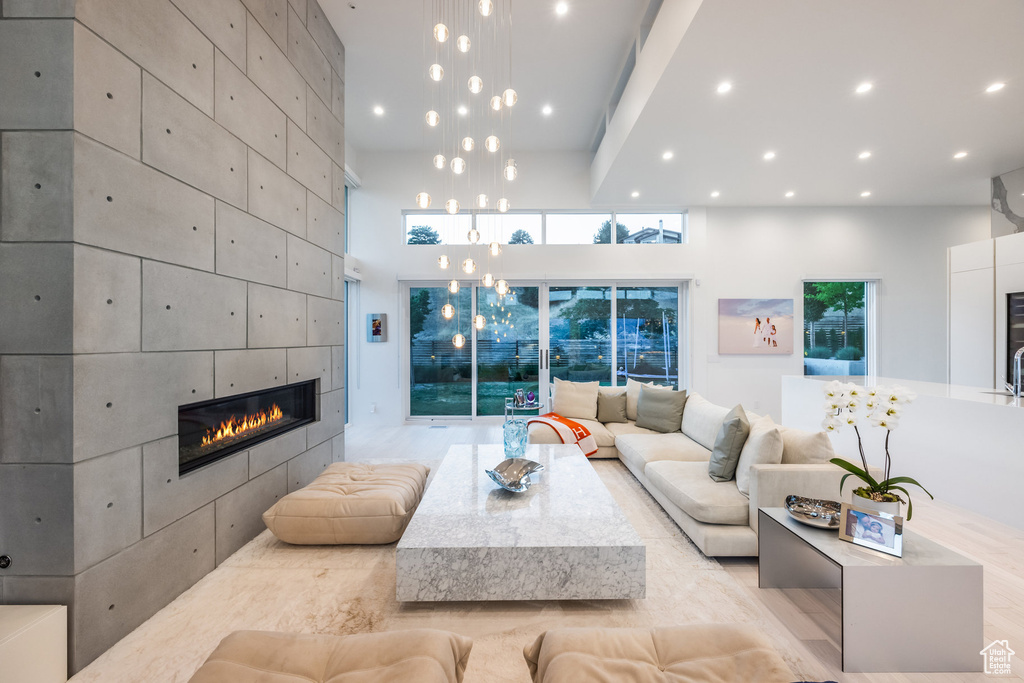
469,100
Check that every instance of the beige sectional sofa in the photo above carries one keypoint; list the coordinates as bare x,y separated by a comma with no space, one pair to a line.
720,517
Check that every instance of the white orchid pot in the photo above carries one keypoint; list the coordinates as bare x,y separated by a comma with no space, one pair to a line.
892,508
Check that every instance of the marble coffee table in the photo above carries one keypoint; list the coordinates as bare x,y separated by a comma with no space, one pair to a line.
564,539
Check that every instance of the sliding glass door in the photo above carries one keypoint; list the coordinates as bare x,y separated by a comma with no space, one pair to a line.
647,334
507,347
580,332
440,375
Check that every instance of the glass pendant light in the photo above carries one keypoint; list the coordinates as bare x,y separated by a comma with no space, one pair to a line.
503,205
481,201
488,280
479,321
462,43
509,97
453,286
440,162
436,72
491,144
459,341
486,7
473,236
423,200
501,287
458,165
469,266
452,206
496,103
443,261
433,118
476,84
468,144
448,311
510,171
494,248
441,33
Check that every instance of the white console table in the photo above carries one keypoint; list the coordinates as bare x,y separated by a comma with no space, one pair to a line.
918,613
34,643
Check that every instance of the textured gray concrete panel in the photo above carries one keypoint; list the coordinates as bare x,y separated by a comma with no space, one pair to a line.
320,28
223,22
338,187
108,299
39,8
338,364
168,497
307,163
277,317
306,56
37,74
338,448
240,512
275,196
325,319
305,468
269,454
36,301
239,372
338,281
324,129
249,248
310,362
108,506
35,409
123,205
325,225
159,38
181,140
37,519
338,97
36,186
186,309
332,419
117,595
244,110
124,399
272,16
300,8
269,68
108,94
309,267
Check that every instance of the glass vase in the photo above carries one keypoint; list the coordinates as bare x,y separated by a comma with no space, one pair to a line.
515,437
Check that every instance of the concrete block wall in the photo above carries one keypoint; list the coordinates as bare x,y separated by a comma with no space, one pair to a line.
171,220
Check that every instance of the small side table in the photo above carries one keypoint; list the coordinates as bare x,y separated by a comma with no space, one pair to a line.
919,613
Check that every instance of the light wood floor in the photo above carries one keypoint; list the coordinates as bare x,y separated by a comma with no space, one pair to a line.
811,616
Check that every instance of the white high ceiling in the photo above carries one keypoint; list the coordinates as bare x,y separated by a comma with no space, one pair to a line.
794,65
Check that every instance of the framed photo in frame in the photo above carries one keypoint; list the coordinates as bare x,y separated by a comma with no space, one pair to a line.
872,529
376,327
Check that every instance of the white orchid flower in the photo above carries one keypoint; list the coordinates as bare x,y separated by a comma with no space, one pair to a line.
870,404
831,423
891,410
885,422
852,404
833,388
831,407
850,419
899,394
852,389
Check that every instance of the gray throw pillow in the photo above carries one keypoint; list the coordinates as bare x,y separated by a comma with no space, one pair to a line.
611,406
728,445
660,409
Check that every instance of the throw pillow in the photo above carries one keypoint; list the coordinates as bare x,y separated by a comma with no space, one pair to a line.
805,448
575,400
611,405
633,396
763,447
731,437
660,409
702,419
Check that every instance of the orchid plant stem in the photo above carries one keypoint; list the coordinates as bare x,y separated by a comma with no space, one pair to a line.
860,447
888,460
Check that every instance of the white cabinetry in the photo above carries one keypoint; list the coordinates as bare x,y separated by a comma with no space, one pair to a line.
34,643
972,314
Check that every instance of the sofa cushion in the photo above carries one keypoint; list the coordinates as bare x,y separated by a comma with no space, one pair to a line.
702,419
628,427
670,654
660,409
805,448
611,405
687,485
637,450
763,447
413,656
575,400
728,444
633,396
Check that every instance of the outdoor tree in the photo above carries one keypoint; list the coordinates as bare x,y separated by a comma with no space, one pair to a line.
604,233
520,237
419,309
844,297
814,308
423,234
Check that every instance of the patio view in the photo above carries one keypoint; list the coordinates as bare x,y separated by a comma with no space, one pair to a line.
834,328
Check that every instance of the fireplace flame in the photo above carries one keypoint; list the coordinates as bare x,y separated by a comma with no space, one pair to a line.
235,427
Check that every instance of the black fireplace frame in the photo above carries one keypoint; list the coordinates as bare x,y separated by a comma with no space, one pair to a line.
310,387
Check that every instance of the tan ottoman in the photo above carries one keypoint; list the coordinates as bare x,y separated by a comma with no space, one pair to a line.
350,503
700,653
417,656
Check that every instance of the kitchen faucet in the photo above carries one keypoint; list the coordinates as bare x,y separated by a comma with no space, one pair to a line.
1015,388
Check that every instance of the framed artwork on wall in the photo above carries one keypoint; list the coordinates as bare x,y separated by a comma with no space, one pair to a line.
376,327
755,326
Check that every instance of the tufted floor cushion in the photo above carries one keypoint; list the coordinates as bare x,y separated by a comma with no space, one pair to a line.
698,653
416,656
350,503
688,485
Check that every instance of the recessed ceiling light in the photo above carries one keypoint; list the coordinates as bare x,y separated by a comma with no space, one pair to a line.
864,87
546,110
378,110
714,195
865,193
462,110
960,155
635,194
995,87
724,87
562,8
768,156
667,155
864,155
789,195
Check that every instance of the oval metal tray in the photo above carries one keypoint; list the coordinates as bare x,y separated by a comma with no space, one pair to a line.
823,514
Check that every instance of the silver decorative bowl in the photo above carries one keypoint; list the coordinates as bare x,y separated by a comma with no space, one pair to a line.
513,474
823,514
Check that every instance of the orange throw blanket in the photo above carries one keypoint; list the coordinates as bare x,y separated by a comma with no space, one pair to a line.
568,431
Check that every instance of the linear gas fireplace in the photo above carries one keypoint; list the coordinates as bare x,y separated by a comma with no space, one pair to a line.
211,430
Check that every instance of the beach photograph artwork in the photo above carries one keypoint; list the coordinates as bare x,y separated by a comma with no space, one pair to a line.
755,326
